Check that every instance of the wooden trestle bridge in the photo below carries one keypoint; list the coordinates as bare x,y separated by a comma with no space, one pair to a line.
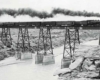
71,35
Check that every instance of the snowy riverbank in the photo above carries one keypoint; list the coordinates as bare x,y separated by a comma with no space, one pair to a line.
28,70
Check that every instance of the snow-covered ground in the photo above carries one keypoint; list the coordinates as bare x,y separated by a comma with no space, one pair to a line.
93,43
12,69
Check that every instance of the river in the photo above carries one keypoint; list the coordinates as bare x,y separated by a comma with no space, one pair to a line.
28,70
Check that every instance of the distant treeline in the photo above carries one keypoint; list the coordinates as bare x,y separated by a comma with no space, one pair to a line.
34,13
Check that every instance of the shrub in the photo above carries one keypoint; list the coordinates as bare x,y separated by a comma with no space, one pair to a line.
1,57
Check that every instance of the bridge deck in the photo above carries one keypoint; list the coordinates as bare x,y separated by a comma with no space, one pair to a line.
89,24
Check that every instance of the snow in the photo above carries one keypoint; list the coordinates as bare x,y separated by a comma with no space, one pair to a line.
12,69
92,43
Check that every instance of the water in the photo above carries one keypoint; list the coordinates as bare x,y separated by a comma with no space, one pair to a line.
28,70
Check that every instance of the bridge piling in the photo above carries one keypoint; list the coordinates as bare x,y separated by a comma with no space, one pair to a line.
45,44
23,44
71,38
39,56
77,36
99,39
6,37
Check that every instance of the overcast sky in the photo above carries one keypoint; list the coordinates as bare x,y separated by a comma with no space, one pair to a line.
48,5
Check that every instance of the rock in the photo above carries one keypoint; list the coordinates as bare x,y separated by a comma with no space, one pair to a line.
98,65
76,63
91,68
62,71
1,57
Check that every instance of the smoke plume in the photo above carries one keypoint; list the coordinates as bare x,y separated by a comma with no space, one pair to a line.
33,13
29,12
75,13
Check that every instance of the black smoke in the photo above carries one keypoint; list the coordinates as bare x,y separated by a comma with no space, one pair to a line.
75,13
34,13
29,12
10,12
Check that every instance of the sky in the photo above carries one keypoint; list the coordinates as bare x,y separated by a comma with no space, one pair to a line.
48,5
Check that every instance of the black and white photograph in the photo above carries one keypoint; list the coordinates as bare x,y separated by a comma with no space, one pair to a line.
49,39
